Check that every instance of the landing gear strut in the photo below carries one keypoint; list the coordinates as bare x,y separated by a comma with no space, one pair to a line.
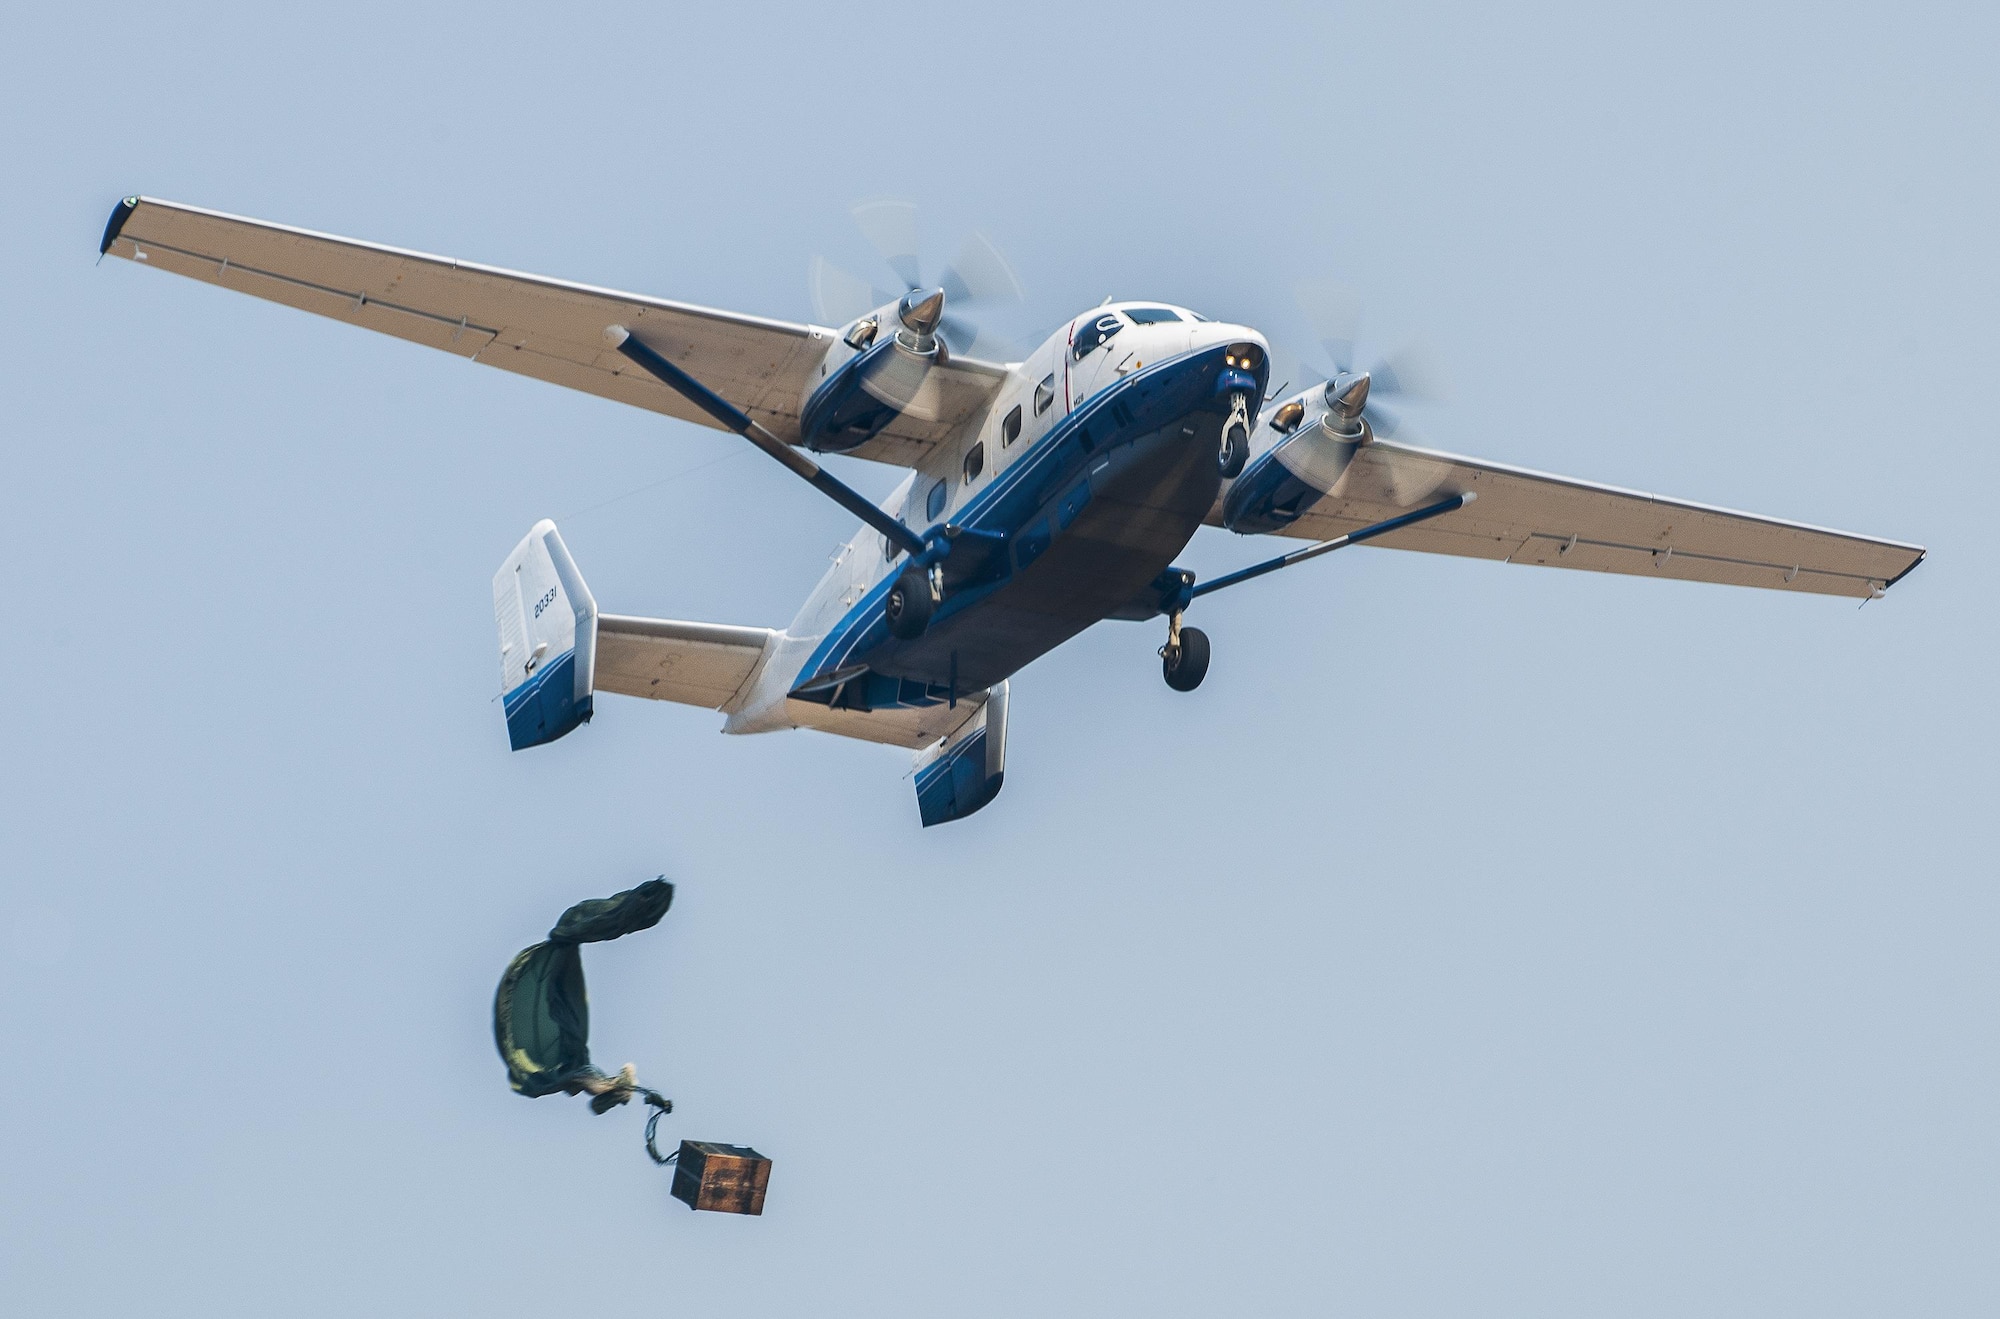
1184,659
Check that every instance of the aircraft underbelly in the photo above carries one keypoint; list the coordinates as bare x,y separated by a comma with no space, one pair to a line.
1145,500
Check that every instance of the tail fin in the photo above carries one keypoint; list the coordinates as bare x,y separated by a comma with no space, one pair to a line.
548,639
964,772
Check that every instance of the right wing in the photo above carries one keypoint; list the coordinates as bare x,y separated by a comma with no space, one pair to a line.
529,324
1524,516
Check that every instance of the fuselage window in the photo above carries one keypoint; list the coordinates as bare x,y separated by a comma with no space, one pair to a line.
1092,336
934,502
1010,428
975,462
1152,315
1045,394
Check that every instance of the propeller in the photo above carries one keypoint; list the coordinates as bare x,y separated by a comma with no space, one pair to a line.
1409,374
977,277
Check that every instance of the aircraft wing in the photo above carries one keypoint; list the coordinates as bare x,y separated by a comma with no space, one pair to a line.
1522,516
546,328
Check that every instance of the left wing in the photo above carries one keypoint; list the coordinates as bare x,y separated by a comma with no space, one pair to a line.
546,328
1523,516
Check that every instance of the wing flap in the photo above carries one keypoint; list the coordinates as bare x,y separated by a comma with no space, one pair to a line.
1531,517
531,325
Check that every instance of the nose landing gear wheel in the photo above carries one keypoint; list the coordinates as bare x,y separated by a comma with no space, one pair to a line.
1235,450
1234,453
1185,663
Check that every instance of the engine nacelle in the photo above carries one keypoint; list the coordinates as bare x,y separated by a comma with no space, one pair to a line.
877,370
1303,449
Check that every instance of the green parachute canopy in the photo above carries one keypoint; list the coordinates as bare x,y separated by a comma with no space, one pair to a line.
541,1014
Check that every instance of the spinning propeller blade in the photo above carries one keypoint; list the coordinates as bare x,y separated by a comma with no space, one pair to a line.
978,276
1335,314
839,297
891,226
1409,374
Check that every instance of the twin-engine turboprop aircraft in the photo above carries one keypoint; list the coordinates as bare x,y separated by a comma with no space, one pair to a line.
1044,495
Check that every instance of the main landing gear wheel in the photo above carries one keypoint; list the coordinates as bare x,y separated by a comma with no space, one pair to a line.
1184,662
908,606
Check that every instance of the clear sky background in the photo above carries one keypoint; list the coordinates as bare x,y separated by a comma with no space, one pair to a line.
1478,940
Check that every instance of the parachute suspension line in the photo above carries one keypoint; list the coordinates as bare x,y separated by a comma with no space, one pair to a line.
661,1106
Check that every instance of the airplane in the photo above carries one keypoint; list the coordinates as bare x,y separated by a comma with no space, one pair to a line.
1044,495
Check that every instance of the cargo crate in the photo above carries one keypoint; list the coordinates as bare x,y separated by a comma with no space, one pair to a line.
728,1179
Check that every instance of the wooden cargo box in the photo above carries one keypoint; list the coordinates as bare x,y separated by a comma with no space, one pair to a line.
729,1179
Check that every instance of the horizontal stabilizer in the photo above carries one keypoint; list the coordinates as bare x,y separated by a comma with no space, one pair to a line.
964,772
706,664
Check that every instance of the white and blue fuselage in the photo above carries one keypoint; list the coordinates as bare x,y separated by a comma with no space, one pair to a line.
1065,505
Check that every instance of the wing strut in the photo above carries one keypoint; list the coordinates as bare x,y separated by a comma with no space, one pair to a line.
1184,659
737,420
1337,543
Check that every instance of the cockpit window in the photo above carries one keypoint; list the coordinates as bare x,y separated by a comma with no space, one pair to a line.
1093,333
1152,315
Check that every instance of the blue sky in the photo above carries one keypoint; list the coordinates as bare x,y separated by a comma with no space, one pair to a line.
1477,940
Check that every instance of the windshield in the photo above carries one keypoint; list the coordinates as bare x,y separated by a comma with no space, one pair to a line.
1094,332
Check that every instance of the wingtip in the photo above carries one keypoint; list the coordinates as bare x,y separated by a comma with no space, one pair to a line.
1921,556
116,224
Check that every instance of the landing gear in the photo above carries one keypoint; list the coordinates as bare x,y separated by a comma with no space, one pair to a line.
1235,450
909,603
1184,659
